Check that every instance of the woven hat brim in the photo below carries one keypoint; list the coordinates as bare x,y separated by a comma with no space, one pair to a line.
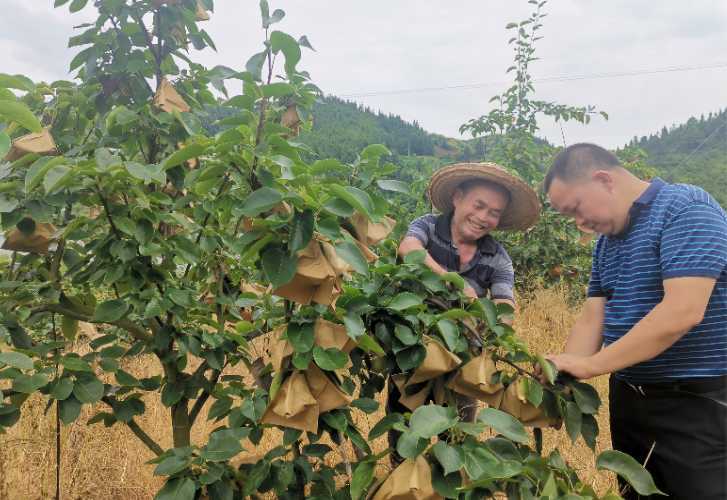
521,213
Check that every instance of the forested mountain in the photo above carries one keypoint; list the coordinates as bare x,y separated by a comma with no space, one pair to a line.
693,152
342,128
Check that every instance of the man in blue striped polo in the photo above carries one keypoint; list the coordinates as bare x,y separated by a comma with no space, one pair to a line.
655,317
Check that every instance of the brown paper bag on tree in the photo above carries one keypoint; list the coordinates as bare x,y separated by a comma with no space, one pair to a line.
291,119
516,404
371,233
36,242
201,13
41,143
293,406
438,361
168,99
411,480
474,380
328,395
415,400
314,281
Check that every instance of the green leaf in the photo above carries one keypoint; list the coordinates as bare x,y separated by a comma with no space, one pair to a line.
278,89
69,328
4,144
7,204
69,410
586,397
430,420
447,486
61,388
450,333
505,424
254,65
329,359
573,420
16,111
280,41
146,173
366,405
411,357
171,465
533,391
548,368
454,278
352,254
363,474
37,171
260,200
88,390
28,384
126,379
385,424
410,445
18,82
278,266
415,257
301,336
369,344
375,151
177,488
76,364
110,311
338,207
393,185
57,178
589,430
16,359
181,155
404,300
77,5
355,327
448,456
225,444
630,470
360,200
405,334
301,231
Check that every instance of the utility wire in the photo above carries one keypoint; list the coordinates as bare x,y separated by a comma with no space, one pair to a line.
550,79
694,151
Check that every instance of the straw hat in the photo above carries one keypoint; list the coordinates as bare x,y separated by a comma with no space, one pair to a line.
523,210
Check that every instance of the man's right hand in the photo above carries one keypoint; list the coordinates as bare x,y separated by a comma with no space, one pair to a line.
469,291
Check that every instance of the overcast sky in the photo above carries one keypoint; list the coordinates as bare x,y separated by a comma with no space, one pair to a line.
382,46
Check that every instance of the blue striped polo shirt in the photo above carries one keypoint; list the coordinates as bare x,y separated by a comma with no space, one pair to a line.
676,230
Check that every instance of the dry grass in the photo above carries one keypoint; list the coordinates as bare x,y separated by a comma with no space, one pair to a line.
109,463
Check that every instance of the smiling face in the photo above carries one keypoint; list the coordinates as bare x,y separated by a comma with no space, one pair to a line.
477,211
592,201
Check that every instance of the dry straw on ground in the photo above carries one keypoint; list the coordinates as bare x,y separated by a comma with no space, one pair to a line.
109,463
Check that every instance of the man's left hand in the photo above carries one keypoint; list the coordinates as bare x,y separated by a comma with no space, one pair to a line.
581,367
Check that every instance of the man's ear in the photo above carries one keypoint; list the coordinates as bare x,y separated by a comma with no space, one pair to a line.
603,178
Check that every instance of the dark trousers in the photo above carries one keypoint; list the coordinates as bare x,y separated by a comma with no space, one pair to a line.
686,422
466,407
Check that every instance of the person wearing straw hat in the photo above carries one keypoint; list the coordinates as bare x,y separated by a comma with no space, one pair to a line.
473,199
655,318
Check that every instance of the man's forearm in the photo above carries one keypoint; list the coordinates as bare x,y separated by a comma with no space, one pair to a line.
655,333
410,244
586,336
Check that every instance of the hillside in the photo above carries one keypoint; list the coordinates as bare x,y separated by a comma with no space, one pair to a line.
693,152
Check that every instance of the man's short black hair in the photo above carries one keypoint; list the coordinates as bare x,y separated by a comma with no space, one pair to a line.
574,161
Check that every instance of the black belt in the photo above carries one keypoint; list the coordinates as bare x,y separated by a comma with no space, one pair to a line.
694,385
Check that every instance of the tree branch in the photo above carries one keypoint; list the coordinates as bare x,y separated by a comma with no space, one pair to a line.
202,399
138,432
134,330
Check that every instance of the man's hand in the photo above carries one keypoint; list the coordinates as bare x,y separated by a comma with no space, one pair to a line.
469,291
581,367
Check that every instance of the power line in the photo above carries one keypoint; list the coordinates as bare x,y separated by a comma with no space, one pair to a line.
694,151
550,79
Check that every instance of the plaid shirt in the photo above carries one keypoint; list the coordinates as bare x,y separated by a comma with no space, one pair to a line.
490,268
